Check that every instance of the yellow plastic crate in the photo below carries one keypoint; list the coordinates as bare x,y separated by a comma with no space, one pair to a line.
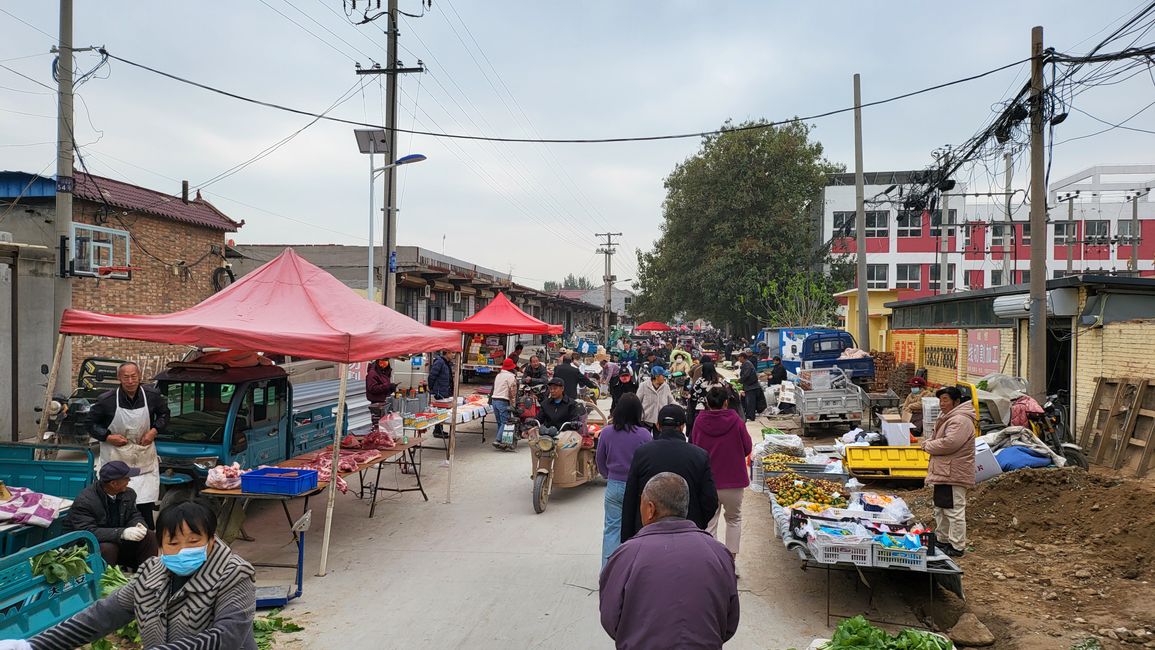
891,462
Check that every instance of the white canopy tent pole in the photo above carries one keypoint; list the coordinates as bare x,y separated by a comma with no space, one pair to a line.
458,359
338,433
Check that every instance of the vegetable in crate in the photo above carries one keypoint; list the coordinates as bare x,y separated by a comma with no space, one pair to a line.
61,564
858,634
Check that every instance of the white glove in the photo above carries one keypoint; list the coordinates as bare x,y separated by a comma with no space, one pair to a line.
15,644
134,534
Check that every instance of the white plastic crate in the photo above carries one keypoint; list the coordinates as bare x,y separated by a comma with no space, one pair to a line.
836,551
899,558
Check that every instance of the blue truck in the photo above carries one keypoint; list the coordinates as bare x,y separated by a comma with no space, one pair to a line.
224,415
824,350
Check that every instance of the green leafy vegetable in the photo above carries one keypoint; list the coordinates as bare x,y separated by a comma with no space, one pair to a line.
61,564
858,634
266,627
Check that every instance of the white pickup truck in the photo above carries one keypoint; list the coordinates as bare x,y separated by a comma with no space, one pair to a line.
841,403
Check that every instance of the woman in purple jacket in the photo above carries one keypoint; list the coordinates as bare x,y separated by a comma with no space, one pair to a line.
616,446
722,433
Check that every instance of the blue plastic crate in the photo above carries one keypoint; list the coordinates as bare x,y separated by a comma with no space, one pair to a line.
279,480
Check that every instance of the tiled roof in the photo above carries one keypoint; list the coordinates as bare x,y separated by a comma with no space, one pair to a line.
118,194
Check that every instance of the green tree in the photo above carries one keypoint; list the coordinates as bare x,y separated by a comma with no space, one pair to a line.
739,224
570,281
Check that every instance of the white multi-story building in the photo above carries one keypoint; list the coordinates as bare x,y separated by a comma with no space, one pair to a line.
980,249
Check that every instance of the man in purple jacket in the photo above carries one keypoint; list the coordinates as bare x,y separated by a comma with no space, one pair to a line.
672,585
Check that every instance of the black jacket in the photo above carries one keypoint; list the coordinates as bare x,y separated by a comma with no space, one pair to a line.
669,452
534,376
777,374
102,412
106,518
619,388
441,377
572,378
748,376
555,415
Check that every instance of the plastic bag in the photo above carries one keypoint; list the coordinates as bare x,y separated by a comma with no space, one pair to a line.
393,424
224,477
785,444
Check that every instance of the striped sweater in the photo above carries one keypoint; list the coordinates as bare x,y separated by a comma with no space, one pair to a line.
214,609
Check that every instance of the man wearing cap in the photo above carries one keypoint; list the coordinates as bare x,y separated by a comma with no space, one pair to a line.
107,509
670,452
557,408
504,392
571,376
654,394
624,383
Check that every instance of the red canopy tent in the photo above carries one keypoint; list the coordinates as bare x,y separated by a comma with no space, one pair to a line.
500,316
653,326
287,306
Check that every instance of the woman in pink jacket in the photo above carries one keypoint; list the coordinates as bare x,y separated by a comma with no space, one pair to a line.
722,433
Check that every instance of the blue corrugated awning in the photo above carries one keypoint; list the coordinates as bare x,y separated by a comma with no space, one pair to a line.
14,184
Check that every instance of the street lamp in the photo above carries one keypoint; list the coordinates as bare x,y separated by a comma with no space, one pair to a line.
372,142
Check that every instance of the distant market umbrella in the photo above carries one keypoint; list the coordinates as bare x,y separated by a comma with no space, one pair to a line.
653,326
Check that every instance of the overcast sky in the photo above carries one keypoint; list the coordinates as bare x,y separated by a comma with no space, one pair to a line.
550,69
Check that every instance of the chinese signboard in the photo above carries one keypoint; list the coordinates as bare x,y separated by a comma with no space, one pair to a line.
983,352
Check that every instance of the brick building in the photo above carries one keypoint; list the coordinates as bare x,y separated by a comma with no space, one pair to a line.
173,244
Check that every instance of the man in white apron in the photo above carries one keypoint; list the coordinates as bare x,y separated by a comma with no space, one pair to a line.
125,421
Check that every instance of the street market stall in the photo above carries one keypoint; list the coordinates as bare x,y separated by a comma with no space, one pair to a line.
500,316
287,306
653,326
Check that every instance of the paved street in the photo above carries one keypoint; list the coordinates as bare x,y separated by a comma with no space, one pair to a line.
486,572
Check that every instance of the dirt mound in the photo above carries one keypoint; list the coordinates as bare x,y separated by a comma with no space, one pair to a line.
1058,555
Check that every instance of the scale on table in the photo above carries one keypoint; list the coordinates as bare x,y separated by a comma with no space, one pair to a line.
280,595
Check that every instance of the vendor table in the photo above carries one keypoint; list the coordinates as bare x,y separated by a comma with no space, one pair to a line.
466,412
406,457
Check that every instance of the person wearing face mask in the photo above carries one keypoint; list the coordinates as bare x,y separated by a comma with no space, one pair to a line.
197,594
912,405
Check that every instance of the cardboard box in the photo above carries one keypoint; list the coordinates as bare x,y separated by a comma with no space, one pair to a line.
897,433
890,417
818,379
986,465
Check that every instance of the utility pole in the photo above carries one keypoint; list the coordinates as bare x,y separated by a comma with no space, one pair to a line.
608,279
1070,222
1009,233
1135,233
1037,348
62,286
943,242
391,70
860,237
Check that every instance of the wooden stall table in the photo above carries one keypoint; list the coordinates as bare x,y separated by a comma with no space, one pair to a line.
405,456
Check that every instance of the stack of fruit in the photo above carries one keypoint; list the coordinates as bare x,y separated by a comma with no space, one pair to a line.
790,489
778,462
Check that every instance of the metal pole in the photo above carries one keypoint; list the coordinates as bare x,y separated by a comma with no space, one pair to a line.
338,433
943,243
1070,222
1135,235
458,358
1009,233
1037,363
390,260
608,299
370,293
860,237
62,286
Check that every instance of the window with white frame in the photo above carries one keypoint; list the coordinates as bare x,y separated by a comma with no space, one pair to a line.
876,276
844,223
998,234
1065,232
877,223
908,223
936,221
997,278
1097,231
908,276
934,273
1126,234
1026,238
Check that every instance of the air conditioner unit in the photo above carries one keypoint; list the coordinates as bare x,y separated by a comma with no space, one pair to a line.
456,297
427,291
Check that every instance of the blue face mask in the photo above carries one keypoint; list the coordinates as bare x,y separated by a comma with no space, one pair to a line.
187,561
916,390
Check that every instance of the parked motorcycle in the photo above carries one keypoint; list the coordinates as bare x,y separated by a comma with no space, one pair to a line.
68,415
1053,428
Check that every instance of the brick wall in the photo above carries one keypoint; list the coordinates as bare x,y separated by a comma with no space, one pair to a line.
154,289
1114,351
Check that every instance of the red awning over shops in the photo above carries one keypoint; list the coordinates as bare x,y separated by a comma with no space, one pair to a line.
500,316
287,306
